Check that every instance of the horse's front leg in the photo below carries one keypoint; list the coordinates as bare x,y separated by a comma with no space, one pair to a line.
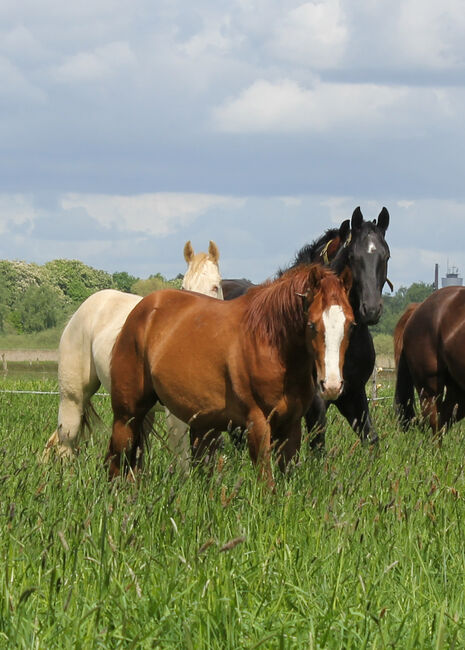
124,444
353,405
315,419
288,444
259,441
178,441
127,438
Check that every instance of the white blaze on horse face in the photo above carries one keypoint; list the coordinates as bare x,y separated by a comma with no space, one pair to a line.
371,246
334,320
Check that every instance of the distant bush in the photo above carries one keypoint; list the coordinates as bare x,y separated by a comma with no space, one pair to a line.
35,298
394,306
77,280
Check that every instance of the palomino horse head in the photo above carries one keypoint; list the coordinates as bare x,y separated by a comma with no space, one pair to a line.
330,320
366,253
203,274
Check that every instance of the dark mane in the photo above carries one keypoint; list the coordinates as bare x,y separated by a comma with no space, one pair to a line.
275,310
309,253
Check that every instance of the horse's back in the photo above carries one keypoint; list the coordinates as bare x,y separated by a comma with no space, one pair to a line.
182,319
186,340
434,336
88,338
453,336
233,288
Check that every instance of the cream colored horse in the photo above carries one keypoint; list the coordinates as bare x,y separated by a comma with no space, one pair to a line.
85,355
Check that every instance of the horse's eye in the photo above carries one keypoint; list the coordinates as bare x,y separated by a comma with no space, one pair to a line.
311,325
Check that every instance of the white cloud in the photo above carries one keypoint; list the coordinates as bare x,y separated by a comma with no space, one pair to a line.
337,206
16,210
286,107
20,43
404,203
215,36
15,87
290,201
432,34
155,214
95,65
313,34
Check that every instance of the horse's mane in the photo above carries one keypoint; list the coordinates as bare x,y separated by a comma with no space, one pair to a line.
308,253
399,330
276,311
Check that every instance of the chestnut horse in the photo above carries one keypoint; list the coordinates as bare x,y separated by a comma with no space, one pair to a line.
361,246
429,340
85,353
252,363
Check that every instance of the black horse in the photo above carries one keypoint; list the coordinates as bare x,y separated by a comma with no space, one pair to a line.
361,246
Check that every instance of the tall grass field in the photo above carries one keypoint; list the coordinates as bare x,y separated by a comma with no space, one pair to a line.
355,549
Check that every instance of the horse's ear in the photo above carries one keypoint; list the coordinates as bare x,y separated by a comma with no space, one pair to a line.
188,252
357,219
346,279
383,220
314,279
344,231
213,252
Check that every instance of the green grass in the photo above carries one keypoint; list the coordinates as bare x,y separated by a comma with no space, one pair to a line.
384,345
355,549
44,340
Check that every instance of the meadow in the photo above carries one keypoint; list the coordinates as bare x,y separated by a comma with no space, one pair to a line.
355,549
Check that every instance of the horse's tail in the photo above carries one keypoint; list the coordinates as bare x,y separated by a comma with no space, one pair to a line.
399,330
405,394
90,418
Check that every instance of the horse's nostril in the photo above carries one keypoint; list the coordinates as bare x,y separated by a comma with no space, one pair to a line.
322,385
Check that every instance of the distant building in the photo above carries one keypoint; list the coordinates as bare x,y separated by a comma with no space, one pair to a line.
452,278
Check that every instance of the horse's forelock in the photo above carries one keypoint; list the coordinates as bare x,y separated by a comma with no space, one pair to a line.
369,228
331,293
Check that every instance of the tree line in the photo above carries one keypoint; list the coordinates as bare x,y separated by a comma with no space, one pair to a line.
36,297
395,305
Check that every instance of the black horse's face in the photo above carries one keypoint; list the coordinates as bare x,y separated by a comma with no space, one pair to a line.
368,255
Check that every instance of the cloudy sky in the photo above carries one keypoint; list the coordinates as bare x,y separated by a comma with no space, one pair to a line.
129,127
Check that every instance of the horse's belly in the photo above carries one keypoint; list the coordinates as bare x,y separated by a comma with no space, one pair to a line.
196,397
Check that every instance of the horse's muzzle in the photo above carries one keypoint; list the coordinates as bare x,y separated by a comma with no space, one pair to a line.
331,389
370,314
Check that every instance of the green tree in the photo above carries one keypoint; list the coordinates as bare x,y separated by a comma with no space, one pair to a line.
4,309
77,280
394,306
152,283
123,281
16,277
38,308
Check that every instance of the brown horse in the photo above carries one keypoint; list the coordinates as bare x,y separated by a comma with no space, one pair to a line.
251,363
429,343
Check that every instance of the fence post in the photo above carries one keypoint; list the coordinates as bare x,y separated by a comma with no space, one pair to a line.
374,387
4,363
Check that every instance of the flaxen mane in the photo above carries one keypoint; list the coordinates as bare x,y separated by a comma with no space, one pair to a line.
276,310
198,260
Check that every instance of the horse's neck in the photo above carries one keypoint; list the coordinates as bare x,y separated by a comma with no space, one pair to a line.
338,264
291,345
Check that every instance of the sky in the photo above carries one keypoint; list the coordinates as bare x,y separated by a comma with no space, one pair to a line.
127,128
